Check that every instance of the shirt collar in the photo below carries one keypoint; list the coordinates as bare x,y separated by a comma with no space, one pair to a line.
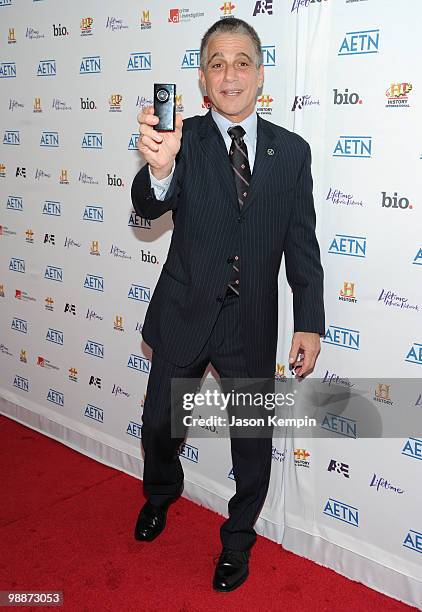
249,124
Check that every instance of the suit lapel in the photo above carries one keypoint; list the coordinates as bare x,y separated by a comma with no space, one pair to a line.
214,147
266,153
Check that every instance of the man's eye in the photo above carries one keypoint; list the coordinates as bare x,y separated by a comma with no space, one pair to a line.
216,66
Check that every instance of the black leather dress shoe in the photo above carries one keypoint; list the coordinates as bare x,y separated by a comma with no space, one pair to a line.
151,522
232,570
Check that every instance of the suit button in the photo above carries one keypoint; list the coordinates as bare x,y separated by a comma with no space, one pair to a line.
240,219
230,260
219,298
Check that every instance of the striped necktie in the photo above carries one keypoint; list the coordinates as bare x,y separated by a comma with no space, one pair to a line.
238,156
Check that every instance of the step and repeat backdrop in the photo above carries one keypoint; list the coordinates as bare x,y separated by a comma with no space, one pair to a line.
78,266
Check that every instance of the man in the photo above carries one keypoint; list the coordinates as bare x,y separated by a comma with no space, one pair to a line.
240,190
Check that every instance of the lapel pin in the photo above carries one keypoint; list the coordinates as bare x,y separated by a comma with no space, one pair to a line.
270,151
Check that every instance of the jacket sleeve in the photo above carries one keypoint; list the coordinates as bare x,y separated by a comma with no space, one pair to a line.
143,197
302,256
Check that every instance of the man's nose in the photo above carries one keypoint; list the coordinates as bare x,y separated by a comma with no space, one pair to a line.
229,73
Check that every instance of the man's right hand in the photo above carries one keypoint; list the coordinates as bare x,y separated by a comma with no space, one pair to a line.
158,148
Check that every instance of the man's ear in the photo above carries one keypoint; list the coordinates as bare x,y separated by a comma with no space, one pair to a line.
202,79
261,76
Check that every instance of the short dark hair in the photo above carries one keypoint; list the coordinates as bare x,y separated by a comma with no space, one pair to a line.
230,25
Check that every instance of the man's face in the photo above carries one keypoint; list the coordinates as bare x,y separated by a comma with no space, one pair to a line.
230,77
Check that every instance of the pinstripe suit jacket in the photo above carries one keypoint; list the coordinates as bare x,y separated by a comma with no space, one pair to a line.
278,217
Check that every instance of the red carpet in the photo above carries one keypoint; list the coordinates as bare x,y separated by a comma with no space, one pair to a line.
66,524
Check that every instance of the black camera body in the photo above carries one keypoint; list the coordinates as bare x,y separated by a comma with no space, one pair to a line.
165,106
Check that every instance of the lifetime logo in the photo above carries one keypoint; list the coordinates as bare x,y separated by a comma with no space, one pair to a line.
340,425
96,283
54,274
46,68
413,448
7,70
415,354
17,265
358,43
39,174
305,3
93,213
94,413
56,397
21,383
343,337
19,325
117,390
413,540
187,451
51,208
139,61
54,335
13,103
92,140
353,146
342,512
90,65
14,203
94,348
136,362
12,137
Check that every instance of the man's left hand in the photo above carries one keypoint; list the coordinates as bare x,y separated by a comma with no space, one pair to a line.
305,349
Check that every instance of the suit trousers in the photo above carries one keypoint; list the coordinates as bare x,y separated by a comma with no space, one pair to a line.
251,457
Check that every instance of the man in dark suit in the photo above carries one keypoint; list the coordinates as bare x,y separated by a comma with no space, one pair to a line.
240,190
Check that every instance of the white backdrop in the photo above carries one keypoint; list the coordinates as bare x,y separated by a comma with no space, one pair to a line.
78,267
